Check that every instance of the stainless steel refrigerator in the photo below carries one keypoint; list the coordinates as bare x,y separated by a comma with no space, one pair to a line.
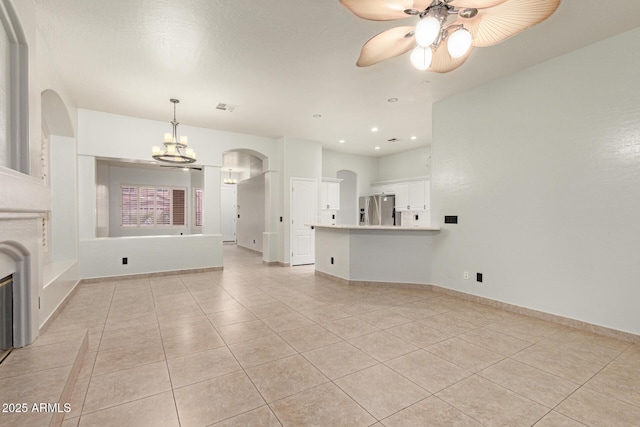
378,210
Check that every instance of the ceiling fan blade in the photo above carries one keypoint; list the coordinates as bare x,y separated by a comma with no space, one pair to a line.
494,25
477,4
442,62
384,10
386,45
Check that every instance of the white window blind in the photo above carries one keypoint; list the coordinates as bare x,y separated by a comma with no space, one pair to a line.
152,206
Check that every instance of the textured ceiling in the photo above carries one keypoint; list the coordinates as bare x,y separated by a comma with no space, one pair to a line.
281,62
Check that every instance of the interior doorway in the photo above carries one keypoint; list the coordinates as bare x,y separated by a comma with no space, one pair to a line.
303,211
228,212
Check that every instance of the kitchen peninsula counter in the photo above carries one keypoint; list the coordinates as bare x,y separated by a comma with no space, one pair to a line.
375,253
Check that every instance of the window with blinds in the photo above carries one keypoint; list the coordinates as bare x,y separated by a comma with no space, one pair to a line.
152,206
198,206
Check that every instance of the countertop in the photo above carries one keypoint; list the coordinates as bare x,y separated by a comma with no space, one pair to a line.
373,227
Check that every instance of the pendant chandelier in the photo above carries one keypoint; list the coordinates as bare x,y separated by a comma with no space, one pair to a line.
175,148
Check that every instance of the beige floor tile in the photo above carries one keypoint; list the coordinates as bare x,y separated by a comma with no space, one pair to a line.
214,400
596,409
325,405
527,328
125,386
431,412
464,354
261,350
176,299
427,370
128,336
587,339
41,386
413,313
220,304
309,337
554,419
589,350
449,324
282,378
122,320
558,363
491,404
325,314
537,385
224,318
77,398
244,331
349,327
73,422
261,417
196,367
270,310
381,391
618,380
147,412
119,358
75,335
384,319
418,334
338,360
30,359
181,345
184,326
382,346
495,341
287,322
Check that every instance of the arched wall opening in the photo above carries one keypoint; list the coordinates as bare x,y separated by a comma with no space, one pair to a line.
244,198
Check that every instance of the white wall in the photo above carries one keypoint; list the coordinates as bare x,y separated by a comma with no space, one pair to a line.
408,164
544,173
250,208
364,166
64,236
103,197
348,213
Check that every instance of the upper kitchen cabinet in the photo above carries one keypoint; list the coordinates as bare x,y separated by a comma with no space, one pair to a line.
330,194
412,195
383,189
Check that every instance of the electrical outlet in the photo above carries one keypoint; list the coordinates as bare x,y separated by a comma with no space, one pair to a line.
331,260
479,277
466,275
125,261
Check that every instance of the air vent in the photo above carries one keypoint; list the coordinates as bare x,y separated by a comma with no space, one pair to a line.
393,140
226,107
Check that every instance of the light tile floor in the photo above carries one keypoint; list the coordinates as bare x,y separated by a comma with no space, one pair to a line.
268,346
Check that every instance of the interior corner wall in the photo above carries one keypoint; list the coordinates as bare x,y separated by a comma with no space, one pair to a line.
251,210
408,164
63,219
544,175
365,167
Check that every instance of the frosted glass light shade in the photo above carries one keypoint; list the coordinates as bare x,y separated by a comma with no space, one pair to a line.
459,43
427,31
421,57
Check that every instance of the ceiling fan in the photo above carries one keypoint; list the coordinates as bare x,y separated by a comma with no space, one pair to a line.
448,30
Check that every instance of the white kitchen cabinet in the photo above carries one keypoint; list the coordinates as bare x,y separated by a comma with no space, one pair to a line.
384,189
412,195
402,197
330,195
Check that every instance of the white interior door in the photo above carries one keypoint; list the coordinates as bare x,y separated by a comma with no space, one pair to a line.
228,212
303,211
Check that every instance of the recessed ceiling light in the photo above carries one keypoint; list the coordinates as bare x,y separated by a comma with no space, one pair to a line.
377,148
341,141
374,129
414,138
392,100
317,116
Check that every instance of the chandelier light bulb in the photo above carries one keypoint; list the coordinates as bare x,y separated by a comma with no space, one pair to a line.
459,43
427,31
421,57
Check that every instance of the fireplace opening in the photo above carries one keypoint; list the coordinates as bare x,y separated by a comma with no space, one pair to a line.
6,316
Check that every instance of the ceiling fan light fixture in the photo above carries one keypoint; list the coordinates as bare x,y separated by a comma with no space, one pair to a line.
427,30
421,57
459,42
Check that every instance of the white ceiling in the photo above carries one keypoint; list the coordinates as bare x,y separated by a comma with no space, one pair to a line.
281,62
